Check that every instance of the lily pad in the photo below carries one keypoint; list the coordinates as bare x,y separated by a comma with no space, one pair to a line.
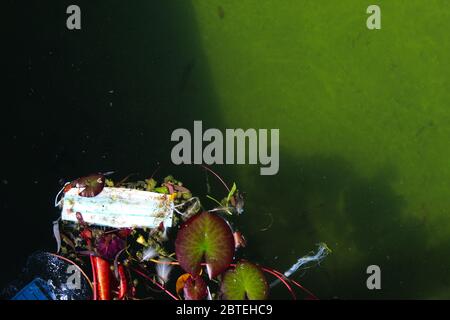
195,288
92,185
207,237
108,245
181,282
245,281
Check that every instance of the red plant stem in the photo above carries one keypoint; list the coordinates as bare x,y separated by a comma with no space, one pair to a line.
304,289
123,282
94,277
216,175
155,283
102,269
291,291
296,283
154,172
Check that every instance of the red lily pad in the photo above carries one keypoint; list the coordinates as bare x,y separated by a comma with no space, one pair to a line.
108,245
207,237
92,185
245,281
195,289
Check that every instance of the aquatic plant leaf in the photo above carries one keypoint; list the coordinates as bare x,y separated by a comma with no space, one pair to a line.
181,281
92,185
245,281
108,245
231,193
57,235
195,289
208,237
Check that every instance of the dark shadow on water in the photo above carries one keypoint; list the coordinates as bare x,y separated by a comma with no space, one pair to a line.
362,219
106,97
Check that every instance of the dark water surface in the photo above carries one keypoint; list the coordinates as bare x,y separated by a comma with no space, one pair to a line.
104,98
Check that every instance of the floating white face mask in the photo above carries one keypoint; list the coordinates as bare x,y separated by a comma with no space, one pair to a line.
119,208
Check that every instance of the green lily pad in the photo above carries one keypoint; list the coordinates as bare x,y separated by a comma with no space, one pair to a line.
205,237
246,281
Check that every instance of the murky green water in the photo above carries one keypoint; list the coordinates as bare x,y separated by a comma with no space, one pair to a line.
363,117
365,135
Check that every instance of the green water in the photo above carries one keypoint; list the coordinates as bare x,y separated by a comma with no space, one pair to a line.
364,133
363,116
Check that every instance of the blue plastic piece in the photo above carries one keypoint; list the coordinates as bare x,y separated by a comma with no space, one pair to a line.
37,289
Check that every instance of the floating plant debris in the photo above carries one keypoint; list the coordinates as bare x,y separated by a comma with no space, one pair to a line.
90,186
136,236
